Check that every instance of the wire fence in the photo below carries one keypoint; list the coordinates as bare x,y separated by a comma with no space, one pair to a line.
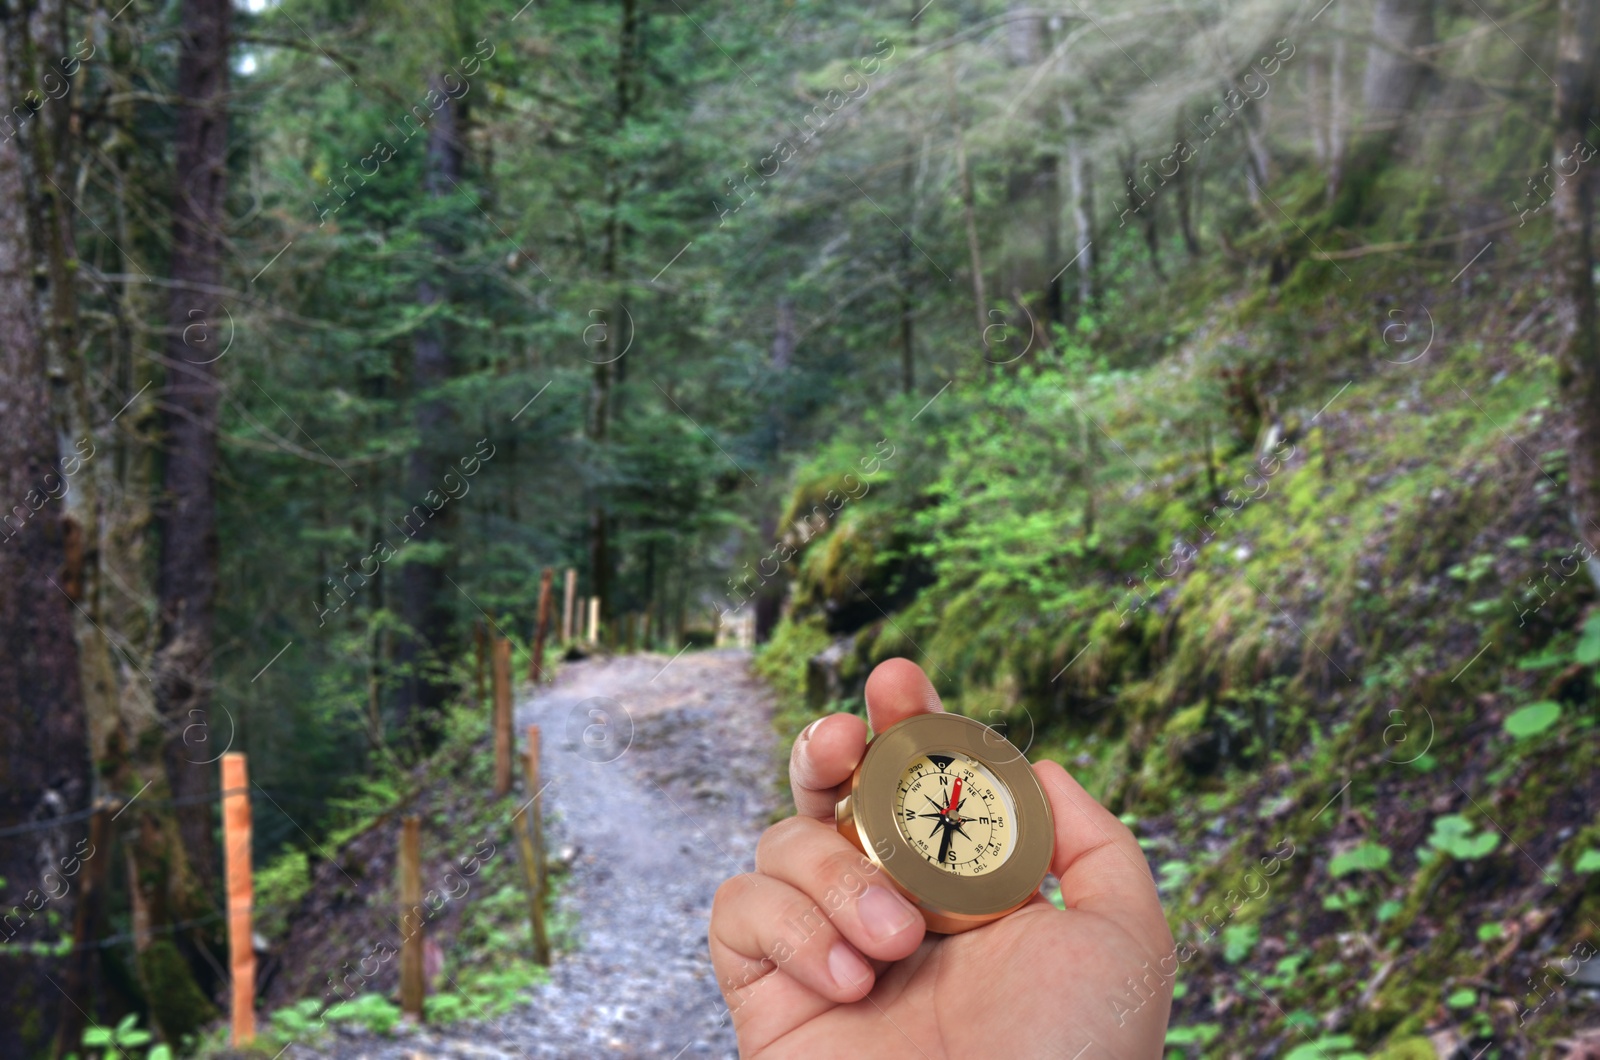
51,823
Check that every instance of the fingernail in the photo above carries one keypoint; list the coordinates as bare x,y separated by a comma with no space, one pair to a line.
885,913
847,969
805,733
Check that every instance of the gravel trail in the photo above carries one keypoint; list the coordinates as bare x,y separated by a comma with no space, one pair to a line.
659,782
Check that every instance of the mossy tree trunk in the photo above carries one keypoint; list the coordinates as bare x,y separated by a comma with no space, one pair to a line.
44,757
180,855
1394,78
187,568
1572,204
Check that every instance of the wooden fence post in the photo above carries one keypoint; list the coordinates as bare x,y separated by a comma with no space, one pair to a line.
568,629
594,620
86,924
530,841
541,629
502,716
479,642
236,868
411,917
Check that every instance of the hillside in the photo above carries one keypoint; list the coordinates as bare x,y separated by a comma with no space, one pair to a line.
1334,666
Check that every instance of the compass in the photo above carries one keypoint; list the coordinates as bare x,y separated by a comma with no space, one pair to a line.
952,813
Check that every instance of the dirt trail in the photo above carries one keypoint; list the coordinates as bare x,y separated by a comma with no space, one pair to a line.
659,778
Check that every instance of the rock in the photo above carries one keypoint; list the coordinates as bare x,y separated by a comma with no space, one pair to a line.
824,676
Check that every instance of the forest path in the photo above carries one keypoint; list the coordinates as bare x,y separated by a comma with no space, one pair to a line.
659,781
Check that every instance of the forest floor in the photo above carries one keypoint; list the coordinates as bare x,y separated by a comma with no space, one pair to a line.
658,777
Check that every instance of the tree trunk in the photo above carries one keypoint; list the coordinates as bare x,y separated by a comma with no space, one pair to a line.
1079,192
1050,191
1144,209
1182,192
186,584
1393,81
1393,76
605,369
908,353
1572,204
179,885
44,757
968,209
424,684
1336,110
1253,119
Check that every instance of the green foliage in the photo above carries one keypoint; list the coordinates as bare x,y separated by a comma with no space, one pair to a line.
279,887
1201,1034
126,1039
1588,650
1453,835
1239,941
1328,1047
1532,719
373,1011
1366,856
302,1020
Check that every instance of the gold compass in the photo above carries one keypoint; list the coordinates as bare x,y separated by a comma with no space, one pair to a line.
952,813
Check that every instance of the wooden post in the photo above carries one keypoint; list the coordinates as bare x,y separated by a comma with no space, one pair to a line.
594,620
480,639
541,630
530,842
502,716
569,630
644,635
236,867
411,916
86,924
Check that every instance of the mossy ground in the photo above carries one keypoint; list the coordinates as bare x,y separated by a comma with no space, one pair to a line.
1332,669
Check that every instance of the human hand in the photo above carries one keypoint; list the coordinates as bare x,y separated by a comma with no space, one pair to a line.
819,956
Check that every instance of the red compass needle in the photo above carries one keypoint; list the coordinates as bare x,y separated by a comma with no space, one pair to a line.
955,797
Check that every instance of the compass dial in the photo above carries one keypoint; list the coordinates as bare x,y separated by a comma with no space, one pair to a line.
954,812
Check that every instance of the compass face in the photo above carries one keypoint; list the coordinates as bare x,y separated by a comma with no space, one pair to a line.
954,812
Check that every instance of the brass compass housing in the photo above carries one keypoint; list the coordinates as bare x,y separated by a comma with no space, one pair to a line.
986,873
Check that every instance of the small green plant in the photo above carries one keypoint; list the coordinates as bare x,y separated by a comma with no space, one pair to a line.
1473,569
372,1011
1453,835
1284,973
1532,719
1201,1034
125,1036
1365,856
300,1020
1588,861
1587,652
1343,899
1463,998
1238,941
1334,1047
1173,875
